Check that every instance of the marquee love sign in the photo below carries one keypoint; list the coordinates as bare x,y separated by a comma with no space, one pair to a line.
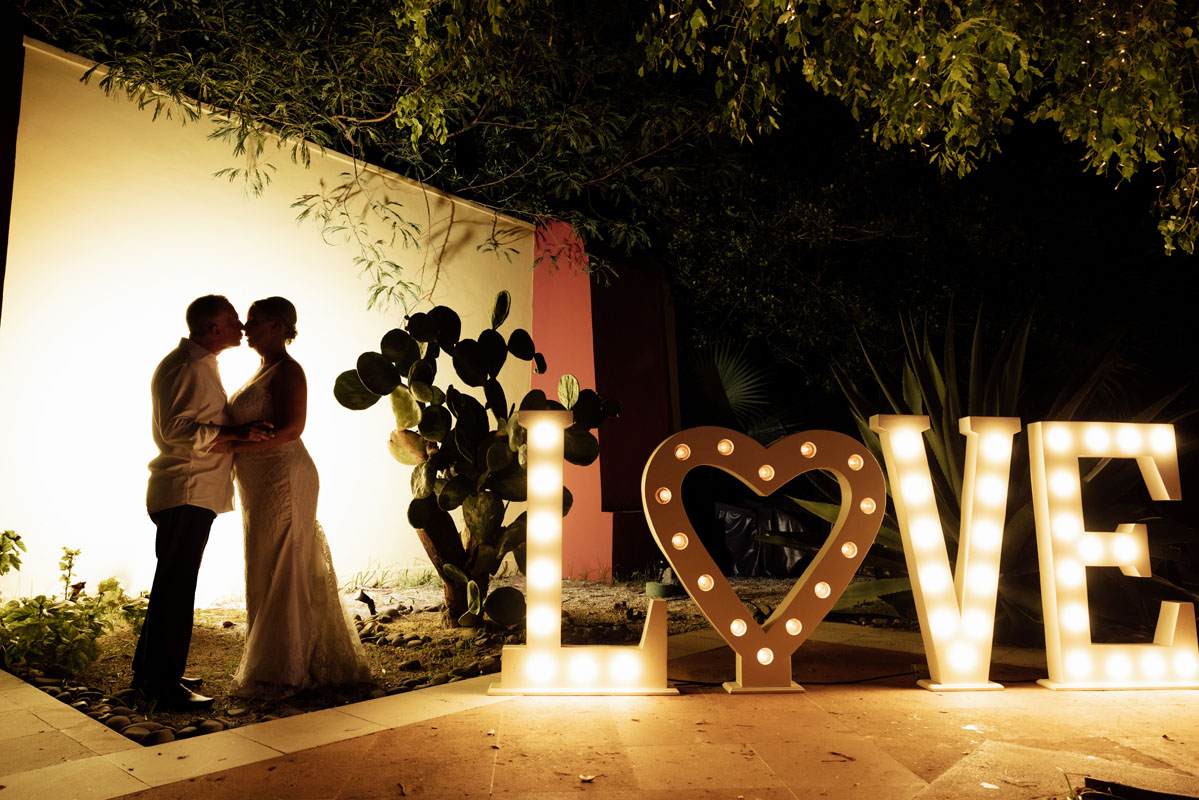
956,609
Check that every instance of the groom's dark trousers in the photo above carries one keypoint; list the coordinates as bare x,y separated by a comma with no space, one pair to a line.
161,653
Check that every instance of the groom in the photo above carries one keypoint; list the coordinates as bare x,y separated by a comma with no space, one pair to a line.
190,483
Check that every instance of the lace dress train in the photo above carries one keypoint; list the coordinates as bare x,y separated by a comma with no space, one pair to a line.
299,635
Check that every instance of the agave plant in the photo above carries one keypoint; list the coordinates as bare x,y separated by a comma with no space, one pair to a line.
931,385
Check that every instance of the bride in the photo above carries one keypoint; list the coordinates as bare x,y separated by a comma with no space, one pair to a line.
298,634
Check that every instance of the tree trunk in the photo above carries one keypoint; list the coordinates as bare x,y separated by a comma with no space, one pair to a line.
443,545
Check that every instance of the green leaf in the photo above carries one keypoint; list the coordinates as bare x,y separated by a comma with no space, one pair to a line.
423,513
520,345
448,324
434,423
421,327
500,309
505,606
407,447
580,446
474,599
405,408
568,390
350,392
422,481
484,516
455,573
492,351
400,348
499,456
454,492
378,373
470,362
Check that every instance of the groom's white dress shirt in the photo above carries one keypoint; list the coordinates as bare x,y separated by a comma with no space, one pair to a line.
189,408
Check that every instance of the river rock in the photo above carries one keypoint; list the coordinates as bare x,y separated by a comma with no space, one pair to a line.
160,736
118,722
210,726
135,733
439,679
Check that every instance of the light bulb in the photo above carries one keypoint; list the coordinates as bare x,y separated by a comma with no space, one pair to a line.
737,627
679,541
766,472
855,462
1118,666
543,526
765,656
1161,439
625,668
1152,663
1066,526
583,669
1071,573
807,450
542,573
1063,483
794,626
868,506
663,495
1075,618
992,491
544,435
1097,439
542,621
682,452
917,489
1090,548
705,583
1128,438
544,480
541,668
963,656
926,532
724,447
906,444
822,590
1058,439
849,549
1078,664
934,578
985,535
995,447
1126,549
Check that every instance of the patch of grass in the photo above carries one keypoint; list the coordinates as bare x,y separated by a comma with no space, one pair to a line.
390,576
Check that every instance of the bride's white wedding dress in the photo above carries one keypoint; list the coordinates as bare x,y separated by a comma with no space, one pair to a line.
298,633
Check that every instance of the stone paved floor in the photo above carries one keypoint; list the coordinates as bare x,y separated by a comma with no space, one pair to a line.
880,739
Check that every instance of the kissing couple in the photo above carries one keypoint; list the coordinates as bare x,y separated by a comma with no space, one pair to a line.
298,635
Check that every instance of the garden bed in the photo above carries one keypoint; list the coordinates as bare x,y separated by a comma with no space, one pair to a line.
407,646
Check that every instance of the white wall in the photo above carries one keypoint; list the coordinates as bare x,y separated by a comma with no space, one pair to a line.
117,224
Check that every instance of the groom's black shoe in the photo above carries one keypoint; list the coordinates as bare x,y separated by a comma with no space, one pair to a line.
191,683
177,698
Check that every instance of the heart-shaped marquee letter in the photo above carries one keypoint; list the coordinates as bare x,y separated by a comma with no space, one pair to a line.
764,652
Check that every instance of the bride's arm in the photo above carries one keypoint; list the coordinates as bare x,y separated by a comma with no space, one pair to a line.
289,394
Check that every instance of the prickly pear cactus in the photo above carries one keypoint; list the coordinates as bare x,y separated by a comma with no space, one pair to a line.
466,451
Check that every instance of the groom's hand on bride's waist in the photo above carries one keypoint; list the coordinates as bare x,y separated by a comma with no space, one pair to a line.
257,431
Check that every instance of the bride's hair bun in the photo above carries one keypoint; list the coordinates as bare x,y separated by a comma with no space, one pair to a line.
280,310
